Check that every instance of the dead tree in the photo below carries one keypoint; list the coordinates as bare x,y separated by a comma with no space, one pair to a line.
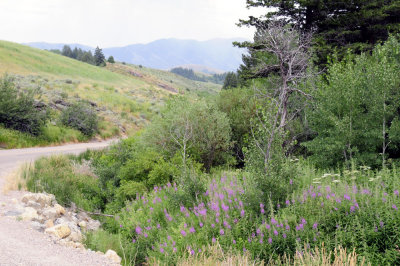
286,69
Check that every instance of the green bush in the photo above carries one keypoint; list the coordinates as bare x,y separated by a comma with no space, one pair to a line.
59,175
82,117
17,108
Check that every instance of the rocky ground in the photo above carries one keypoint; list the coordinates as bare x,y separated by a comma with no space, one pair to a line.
35,230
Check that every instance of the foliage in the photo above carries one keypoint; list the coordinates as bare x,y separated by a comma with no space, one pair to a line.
80,116
357,25
231,81
62,177
190,74
18,110
194,129
111,59
99,58
239,104
355,111
76,53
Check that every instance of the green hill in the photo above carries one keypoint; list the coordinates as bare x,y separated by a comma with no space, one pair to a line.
125,96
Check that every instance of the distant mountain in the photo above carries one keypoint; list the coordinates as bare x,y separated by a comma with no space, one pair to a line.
217,54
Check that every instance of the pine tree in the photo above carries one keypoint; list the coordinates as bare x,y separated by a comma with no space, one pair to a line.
340,25
99,57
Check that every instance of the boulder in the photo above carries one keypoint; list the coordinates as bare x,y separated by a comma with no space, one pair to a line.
60,209
50,213
29,214
60,231
33,204
49,223
112,255
93,225
82,224
41,198
37,226
75,236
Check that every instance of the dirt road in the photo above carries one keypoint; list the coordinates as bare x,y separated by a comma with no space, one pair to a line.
21,245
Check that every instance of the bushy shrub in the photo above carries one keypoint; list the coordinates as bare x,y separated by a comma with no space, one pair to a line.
59,176
81,116
17,108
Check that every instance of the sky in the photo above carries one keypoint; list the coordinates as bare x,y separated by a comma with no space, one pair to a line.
112,23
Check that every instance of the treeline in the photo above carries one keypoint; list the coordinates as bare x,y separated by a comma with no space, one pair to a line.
98,59
190,74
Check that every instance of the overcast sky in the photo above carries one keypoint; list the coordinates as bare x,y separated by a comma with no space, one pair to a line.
121,22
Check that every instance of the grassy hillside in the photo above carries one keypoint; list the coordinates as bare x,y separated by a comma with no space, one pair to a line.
125,102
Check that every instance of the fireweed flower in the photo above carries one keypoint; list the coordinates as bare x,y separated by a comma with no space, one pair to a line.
138,230
273,221
315,226
192,230
161,250
213,240
396,192
145,235
183,232
267,226
270,240
394,207
221,232
133,240
201,224
276,232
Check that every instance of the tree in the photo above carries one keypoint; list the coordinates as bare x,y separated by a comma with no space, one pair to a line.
285,70
66,51
231,81
192,129
357,24
99,57
356,109
111,59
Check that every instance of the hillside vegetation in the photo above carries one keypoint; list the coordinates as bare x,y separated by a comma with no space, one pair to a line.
123,100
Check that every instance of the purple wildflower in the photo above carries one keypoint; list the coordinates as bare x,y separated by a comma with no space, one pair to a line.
183,232
276,232
192,230
267,226
201,224
394,207
221,232
284,235
315,226
161,250
133,240
396,192
145,235
138,230
270,240
214,240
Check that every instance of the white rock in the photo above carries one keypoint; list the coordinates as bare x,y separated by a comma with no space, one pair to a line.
50,213
14,201
82,224
60,209
93,225
29,214
33,204
41,198
75,237
60,231
112,255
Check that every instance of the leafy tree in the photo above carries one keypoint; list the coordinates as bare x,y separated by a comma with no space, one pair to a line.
99,58
357,24
111,59
355,112
192,129
17,108
231,81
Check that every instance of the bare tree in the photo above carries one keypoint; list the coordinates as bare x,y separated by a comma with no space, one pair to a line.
286,68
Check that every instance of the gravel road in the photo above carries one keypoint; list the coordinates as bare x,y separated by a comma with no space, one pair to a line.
21,245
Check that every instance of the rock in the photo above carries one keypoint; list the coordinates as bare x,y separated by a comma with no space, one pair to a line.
29,214
75,236
60,209
12,213
41,198
14,201
33,204
60,231
82,224
71,244
50,213
49,223
2,204
112,255
93,225
37,226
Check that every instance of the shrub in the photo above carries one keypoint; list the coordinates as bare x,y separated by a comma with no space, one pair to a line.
59,176
82,117
17,108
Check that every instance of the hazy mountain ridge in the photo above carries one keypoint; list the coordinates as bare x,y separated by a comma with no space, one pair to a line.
217,54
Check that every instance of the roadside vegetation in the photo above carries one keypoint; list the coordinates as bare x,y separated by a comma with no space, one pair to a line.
288,165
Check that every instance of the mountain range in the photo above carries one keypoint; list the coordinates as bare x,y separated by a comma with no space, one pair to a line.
217,54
